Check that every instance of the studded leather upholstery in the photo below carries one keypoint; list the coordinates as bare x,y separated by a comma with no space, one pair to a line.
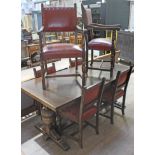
59,19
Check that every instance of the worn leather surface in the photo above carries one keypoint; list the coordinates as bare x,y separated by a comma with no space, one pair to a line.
61,50
86,16
100,44
72,112
59,18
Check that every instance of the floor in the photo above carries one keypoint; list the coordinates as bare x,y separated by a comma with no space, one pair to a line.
116,139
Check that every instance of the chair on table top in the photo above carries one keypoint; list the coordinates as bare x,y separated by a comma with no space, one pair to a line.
101,44
82,110
115,90
59,19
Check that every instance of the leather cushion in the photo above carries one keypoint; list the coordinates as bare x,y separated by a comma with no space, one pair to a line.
61,50
72,112
100,44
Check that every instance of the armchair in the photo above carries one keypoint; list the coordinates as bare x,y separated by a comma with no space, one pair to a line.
101,44
59,19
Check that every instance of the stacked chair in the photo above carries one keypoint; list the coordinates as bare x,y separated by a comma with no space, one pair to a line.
101,44
59,19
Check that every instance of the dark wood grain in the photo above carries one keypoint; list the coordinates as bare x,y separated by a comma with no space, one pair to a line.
61,91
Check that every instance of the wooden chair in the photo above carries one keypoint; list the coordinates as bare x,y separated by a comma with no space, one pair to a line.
81,111
101,44
115,90
59,19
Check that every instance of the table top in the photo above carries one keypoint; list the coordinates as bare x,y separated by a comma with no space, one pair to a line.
64,90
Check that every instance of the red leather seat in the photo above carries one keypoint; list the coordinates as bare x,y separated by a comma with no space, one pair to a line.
61,50
100,44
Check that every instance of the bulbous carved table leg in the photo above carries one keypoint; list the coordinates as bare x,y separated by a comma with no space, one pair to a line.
48,128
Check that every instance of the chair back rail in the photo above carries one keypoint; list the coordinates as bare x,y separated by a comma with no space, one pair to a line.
90,95
59,19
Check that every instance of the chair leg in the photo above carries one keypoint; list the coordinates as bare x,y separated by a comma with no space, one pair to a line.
112,62
86,60
80,135
97,123
112,114
43,75
92,56
76,64
123,104
84,71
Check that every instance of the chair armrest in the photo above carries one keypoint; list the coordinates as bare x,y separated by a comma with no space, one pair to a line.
41,30
104,27
80,30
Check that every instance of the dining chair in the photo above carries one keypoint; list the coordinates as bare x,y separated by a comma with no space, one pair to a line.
113,91
100,44
83,109
59,19
37,74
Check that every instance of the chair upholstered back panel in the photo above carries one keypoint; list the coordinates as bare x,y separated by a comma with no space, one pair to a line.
92,93
123,78
59,19
109,92
86,16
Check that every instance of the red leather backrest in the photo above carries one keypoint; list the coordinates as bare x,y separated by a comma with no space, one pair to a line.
59,19
123,78
91,94
86,16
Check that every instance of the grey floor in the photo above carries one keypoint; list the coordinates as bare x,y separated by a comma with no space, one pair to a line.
116,139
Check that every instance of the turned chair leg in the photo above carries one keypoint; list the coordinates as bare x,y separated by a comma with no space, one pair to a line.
123,104
112,114
92,56
97,123
80,135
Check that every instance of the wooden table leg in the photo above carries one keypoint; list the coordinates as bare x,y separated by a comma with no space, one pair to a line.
48,128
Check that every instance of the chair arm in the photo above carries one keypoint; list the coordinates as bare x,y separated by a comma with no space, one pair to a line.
104,27
80,30
41,30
